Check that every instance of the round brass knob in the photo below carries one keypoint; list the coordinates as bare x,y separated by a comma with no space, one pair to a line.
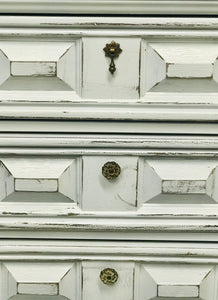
111,170
109,276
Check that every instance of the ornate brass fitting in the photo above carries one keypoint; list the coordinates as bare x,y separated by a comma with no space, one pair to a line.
111,170
113,51
109,276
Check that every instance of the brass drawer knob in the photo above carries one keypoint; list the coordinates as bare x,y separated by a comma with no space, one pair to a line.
111,170
109,276
113,51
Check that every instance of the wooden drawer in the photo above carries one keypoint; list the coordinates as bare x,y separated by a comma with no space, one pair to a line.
105,270
134,187
106,279
57,69
109,183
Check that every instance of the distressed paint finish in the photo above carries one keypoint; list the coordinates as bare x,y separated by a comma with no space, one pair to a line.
98,82
39,279
175,281
59,180
93,287
170,78
179,181
101,194
61,221
71,270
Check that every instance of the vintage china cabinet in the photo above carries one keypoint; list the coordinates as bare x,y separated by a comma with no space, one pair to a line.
108,150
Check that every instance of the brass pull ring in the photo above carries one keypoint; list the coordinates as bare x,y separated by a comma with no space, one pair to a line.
113,51
109,276
111,170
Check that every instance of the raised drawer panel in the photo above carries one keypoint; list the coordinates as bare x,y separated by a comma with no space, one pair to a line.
179,181
179,67
32,281
40,67
41,180
176,282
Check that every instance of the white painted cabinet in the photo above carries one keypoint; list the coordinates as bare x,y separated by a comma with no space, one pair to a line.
108,151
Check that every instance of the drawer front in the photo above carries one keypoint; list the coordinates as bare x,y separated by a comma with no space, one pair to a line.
107,279
91,184
140,69
70,69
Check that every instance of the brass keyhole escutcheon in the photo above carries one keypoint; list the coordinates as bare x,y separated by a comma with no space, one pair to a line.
113,51
109,276
111,170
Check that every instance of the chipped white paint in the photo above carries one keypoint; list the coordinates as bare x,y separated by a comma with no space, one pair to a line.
71,270
184,181
58,178
33,68
170,77
51,185
37,289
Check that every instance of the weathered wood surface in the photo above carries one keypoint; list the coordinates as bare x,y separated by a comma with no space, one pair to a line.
55,68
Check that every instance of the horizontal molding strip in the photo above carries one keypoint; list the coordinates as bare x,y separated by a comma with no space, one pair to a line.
107,22
204,230
108,141
110,112
18,125
121,251
110,6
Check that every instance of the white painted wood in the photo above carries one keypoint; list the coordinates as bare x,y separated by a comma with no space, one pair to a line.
140,141
67,41
35,279
190,71
103,22
44,126
98,82
100,193
33,68
36,185
176,281
94,288
34,65
37,289
178,291
145,270
59,178
178,181
5,67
